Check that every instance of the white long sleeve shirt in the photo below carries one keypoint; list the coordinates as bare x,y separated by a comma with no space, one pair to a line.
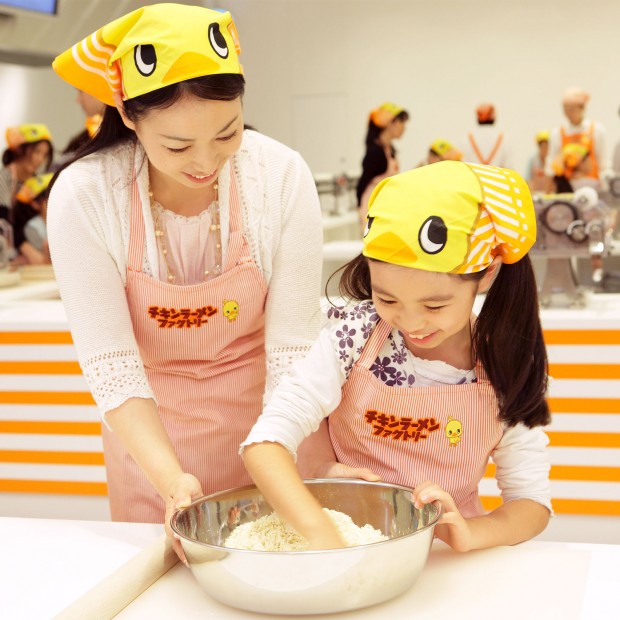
88,227
313,389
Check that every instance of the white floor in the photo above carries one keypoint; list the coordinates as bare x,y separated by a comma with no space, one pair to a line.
562,528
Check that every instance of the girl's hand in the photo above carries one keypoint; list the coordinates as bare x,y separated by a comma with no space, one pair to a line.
452,527
183,491
339,470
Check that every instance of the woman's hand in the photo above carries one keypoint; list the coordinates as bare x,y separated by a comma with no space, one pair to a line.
452,527
182,492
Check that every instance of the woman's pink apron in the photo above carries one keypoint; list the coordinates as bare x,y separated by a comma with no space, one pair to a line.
442,433
203,351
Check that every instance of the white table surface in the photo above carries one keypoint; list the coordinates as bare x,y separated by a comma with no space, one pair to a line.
47,564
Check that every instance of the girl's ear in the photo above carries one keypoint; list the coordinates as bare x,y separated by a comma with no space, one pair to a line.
118,102
491,273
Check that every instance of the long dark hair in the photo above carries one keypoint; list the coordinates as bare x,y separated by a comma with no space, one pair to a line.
507,337
23,150
112,131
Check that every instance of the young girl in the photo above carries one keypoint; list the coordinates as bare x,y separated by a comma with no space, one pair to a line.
419,392
29,221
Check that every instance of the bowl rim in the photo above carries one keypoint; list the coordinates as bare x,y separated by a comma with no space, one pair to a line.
177,514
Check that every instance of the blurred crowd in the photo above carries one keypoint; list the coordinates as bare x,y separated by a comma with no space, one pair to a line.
28,163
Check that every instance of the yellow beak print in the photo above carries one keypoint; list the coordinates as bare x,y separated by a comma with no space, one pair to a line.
230,310
454,431
150,48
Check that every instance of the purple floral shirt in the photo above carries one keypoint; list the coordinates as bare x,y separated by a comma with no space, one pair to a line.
350,328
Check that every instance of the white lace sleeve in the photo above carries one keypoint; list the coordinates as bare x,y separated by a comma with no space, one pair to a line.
87,247
115,377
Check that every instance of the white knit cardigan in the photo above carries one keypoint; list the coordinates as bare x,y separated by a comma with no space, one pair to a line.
88,228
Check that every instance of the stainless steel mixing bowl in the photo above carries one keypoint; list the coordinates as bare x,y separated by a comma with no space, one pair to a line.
309,582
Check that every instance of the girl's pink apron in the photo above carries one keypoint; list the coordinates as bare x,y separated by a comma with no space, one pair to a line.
203,350
442,433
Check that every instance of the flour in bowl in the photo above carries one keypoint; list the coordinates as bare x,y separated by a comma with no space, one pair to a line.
272,533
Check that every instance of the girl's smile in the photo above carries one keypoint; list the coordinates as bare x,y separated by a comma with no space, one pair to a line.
431,310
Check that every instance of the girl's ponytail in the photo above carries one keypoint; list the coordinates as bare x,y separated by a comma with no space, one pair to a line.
508,341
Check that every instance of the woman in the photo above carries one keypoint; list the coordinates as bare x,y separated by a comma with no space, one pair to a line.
29,149
188,256
386,123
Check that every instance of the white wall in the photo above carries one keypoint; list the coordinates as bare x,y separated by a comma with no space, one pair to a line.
316,67
439,59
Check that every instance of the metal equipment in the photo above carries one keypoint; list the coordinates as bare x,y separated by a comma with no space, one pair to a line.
569,227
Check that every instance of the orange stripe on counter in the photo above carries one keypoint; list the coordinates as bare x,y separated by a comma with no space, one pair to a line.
40,368
584,440
581,336
50,428
51,458
568,506
35,338
574,472
54,487
584,371
584,405
46,398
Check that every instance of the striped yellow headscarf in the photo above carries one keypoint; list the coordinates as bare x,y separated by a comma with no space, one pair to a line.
451,217
150,48
33,187
28,133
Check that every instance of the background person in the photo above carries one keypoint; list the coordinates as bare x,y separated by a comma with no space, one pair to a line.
385,124
29,221
441,150
536,175
486,143
29,151
420,392
187,253
579,129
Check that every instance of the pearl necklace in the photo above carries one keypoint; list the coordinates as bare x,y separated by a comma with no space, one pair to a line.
214,238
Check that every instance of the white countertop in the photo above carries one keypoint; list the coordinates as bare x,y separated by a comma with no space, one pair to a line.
48,564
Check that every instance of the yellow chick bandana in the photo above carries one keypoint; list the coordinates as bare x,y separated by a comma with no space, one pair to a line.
25,134
33,187
385,114
542,136
150,48
444,149
451,217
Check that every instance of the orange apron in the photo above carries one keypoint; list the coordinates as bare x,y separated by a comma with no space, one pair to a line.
578,137
203,350
442,433
481,158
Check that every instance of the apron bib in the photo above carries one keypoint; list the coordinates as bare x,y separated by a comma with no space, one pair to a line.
203,350
442,433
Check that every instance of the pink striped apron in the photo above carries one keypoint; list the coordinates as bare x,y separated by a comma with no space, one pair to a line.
442,433
203,350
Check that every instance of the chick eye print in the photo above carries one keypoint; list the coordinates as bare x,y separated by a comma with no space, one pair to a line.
369,221
145,59
218,43
433,235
